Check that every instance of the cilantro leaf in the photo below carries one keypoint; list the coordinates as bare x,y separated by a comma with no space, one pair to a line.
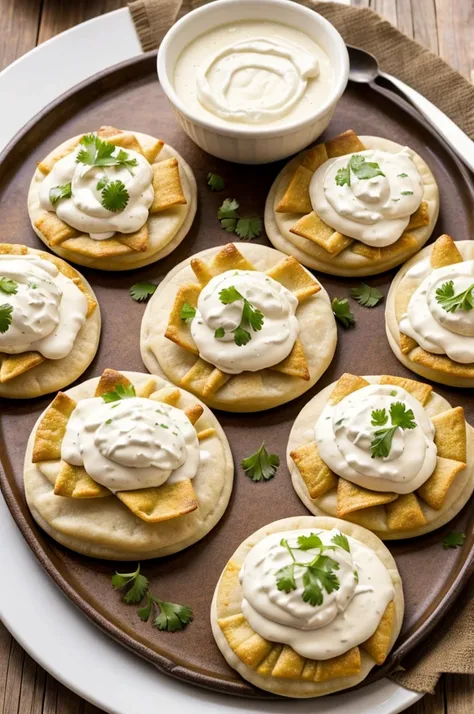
342,312
251,317
356,576
341,540
219,333
172,617
229,224
343,176
364,169
10,287
317,576
285,578
59,192
121,391
187,312
249,228
379,417
400,417
102,182
229,295
145,612
142,291
406,193
87,153
450,302
5,317
312,592
366,295
136,583
453,540
382,442
228,209
261,465
115,196
95,151
241,336
308,542
403,175
215,182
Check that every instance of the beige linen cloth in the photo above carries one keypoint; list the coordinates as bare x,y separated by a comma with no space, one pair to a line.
451,647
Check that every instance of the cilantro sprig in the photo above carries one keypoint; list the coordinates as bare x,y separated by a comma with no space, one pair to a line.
358,166
187,312
7,286
115,196
5,317
57,193
366,295
251,316
261,466
400,417
121,391
215,182
450,301
232,222
97,152
170,616
142,291
454,540
342,312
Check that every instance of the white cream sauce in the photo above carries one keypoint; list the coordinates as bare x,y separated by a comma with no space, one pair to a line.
84,210
374,211
48,308
347,617
343,434
253,72
435,329
131,443
268,346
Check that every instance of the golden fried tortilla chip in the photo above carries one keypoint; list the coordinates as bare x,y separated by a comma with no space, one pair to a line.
83,245
442,364
253,651
289,664
295,365
405,513
206,434
194,413
296,198
236,629
167,395
346,143
420,391
405,243
163,503
315,157
420,218
201,270
137,241
318,477
444,252
345,665
75,482
12,366
229,258
204,378
109,381
179,330
52,428
295,278
167,186
345,385
407,344
450,435
117,137
351,497
54,229
378,645
12,249
267,666
435,489
314,229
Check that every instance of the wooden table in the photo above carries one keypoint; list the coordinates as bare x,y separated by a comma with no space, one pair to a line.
445,26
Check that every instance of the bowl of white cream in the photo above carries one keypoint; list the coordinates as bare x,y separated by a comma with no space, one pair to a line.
253,81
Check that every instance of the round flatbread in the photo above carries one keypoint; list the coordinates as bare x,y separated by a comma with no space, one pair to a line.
438,368
103,527
47,375
165,228
228,598
248,391
348,262
451,432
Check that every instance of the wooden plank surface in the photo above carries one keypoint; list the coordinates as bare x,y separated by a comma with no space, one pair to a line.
445,27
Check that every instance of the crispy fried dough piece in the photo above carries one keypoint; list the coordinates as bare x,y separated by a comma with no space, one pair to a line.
406,242
83,245
420,218
444,252
109,380
236,629
419,390
206,433
47,164
345,385
315,157
117,137
346,143
372,518
441,363
167,395
167,186
405,513
296,198
178,330
137,241
267,666
194,413
229,258
407,344
435,489
229,590
75,482
204,379
146,389
12,249
314,229
12,366
450,435
54,229
52,428
153,151
154,505
201,270
289,664
295,365
378,645
351,497
345,665
295,278
318,477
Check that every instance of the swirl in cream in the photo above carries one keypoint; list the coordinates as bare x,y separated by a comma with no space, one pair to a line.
48,309
344,432
131,443
84,210
426,321
255,81
373,210
267,346
346,617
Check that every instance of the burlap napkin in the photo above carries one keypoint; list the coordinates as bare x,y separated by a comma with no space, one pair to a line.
451,647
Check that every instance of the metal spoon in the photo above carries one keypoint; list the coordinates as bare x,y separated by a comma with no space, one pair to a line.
364,68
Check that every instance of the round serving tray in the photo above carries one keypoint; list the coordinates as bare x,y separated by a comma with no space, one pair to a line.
129,96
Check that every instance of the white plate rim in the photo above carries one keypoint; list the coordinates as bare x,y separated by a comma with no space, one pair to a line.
83,669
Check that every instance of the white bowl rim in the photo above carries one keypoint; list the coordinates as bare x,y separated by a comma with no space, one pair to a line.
243,130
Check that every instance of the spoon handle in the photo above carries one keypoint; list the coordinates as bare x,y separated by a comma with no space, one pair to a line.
459,142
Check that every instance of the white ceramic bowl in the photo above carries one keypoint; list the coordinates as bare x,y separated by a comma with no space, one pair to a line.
252,144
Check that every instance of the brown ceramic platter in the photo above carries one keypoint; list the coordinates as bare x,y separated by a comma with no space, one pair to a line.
129,96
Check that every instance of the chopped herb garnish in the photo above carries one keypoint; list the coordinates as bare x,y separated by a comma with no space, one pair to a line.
249,228
215,182
251,316
341,540
361,168
9,287
115,196
187,312
232,222
121,391
406,193
109,421
219,333
5,317
57,193
403,175
450,302
356,576
102,182
163,426
400,417
142,291
342,312
366,295
453,540
96,152
261,466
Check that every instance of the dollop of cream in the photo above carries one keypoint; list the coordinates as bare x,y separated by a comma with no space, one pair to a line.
255,81
376,210
268,346
48,309
84,210
435,329
344,431
131,443
346,617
